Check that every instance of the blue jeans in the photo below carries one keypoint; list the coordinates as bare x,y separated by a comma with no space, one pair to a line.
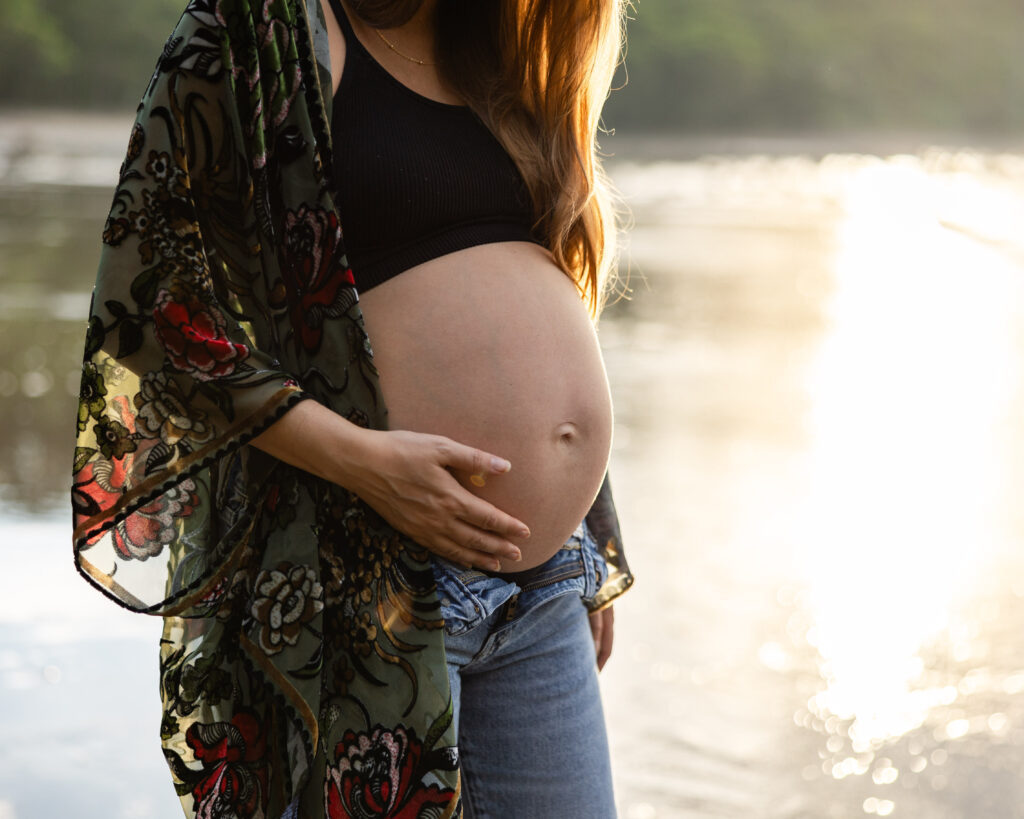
523,676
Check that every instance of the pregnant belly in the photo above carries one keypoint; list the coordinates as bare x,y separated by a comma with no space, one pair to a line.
491,346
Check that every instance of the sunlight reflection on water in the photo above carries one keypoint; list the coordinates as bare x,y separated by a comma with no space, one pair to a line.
909,398
891,543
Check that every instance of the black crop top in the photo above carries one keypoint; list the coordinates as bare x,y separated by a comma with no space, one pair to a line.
416,178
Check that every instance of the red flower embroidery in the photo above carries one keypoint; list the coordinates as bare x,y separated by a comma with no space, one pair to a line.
194,334
318,286
145,532
378,775
234,776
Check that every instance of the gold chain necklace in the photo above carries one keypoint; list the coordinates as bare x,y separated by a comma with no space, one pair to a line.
399,53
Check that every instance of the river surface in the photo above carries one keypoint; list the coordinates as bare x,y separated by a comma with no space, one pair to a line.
818,462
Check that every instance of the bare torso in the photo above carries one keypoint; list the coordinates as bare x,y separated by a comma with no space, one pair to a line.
492,346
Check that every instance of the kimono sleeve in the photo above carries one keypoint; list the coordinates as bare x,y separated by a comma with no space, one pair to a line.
181,356
603,522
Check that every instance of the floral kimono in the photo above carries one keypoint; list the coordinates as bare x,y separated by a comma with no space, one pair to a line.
302,655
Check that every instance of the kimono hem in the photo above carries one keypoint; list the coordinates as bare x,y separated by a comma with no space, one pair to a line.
302,654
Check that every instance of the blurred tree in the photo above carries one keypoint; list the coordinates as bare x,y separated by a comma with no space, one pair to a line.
798,64
29,36
85,53
723,65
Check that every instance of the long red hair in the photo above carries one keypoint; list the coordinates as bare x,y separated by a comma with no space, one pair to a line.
537,73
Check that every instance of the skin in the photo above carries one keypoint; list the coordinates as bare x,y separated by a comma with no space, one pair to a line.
426,485
491,346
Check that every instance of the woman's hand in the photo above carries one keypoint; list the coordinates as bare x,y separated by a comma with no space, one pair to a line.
602,627
405,477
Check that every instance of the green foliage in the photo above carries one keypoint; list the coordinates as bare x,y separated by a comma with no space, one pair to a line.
28,34
792,64
693,64
81,53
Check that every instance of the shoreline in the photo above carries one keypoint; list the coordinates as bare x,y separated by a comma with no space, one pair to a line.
85,148
692,146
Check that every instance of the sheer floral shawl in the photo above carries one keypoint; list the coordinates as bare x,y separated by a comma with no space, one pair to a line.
302,653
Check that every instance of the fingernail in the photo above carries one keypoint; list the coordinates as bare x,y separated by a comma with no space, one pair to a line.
523,532
517,555
500,464
497,565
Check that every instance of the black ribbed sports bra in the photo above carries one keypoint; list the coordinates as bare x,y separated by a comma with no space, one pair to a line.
416,178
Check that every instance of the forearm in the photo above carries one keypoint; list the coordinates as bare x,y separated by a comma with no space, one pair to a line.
318,440
407,477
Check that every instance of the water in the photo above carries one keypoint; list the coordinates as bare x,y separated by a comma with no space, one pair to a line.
817,379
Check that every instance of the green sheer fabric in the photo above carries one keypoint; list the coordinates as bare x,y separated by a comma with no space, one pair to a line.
302,653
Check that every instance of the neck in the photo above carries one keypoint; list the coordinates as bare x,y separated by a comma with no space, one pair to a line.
417,35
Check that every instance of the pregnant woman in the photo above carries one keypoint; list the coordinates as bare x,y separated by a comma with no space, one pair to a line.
344,419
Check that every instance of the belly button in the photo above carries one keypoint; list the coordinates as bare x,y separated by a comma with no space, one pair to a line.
567,432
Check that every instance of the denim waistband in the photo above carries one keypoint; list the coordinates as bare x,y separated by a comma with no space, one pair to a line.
469,596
